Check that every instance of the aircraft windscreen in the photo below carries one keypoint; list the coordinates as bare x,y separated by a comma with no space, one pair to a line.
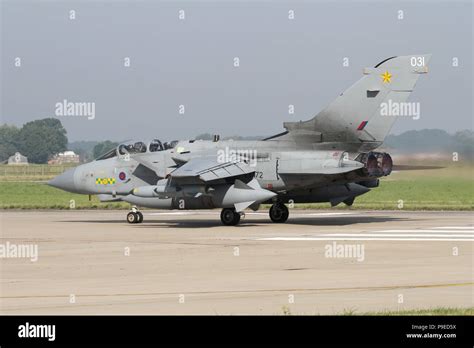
109,154
156,145
170,145
131,148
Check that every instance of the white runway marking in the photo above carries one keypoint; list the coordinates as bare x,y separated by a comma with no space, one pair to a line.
433,234
366,239
456,227
396,235
425,231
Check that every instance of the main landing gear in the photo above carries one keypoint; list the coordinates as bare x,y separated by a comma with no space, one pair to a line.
279,213
230,217
134,217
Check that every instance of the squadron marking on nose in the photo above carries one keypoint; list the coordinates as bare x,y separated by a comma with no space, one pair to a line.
105,181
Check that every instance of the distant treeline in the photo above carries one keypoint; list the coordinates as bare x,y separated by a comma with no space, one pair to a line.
432,141
38,140
89,150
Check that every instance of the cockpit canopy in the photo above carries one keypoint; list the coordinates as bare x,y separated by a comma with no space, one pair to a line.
131,148
138,147
155,145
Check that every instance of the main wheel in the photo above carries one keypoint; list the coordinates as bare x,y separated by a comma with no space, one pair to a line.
132,217
140,217
230,217
279,213
349,201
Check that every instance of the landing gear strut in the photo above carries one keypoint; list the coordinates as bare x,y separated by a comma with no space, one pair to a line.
279,213
230,217
134,217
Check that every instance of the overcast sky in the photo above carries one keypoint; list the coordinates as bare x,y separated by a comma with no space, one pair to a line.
190,62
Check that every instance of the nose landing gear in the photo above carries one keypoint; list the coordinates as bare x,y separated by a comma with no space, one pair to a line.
279,213
134,217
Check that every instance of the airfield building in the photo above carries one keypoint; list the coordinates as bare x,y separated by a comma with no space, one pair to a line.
64,157
18,159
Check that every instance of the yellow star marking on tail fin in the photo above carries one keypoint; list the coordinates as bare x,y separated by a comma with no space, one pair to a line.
386,76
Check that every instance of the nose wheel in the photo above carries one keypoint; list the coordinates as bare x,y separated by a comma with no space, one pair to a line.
134,217
230,217
279,213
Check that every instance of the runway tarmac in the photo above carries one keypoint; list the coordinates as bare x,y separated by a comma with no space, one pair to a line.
178,262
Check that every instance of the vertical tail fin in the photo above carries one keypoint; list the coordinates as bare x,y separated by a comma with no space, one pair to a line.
355,116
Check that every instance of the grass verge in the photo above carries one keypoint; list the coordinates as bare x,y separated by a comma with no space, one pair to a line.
450,188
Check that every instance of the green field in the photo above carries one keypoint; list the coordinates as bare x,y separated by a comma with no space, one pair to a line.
430,311
450,188
416,312
31,172
38,195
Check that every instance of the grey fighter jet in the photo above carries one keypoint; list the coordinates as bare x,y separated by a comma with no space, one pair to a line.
329,158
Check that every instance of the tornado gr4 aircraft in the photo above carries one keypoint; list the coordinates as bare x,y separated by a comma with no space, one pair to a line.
329,158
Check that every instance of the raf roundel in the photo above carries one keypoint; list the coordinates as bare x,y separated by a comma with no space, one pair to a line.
122,176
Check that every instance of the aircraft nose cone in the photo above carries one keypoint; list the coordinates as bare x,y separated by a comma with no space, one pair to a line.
64,181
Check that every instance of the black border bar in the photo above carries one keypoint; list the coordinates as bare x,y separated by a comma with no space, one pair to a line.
261,330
